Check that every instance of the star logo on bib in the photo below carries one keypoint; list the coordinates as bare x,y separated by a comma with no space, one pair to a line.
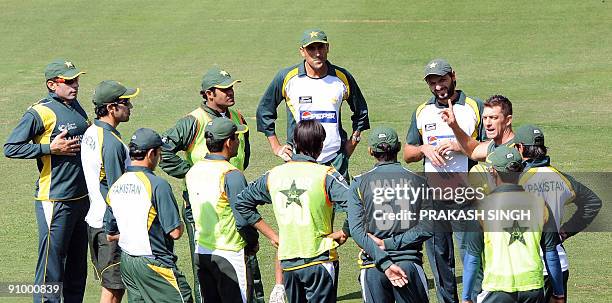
293,194
516,233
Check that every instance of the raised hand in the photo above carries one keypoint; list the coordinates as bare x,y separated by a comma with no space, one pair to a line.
448,115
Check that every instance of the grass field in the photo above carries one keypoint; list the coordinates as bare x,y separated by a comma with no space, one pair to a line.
553,59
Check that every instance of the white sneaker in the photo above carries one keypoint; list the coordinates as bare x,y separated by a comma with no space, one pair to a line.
278,294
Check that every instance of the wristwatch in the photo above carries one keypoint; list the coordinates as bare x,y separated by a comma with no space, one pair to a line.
356,138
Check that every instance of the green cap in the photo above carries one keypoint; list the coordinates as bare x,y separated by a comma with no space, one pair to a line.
62,68
108,91
504,157
146,138
311,36
529,135
216,77
438,67
381,135
222,128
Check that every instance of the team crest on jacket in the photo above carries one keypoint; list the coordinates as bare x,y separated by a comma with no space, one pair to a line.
293,194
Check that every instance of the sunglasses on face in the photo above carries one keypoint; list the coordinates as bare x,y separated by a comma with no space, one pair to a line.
125,103
67,81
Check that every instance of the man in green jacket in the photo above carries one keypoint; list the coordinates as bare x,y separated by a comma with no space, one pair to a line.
302,194
187,135
50,131
392,259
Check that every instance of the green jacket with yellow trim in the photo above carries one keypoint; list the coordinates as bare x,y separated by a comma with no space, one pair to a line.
267,109
179,138
61,177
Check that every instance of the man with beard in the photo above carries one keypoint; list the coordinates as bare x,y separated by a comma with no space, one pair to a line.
105,158
431,140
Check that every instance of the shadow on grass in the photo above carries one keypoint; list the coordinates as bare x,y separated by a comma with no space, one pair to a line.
350,296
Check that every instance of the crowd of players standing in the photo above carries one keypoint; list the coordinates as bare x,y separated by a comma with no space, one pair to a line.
94,188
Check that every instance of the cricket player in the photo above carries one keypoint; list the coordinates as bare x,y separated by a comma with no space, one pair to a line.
104,158
50,131
302,194
217,91
557,189
391,271
497,121
509,248
146,223
430,140
315,89
223,238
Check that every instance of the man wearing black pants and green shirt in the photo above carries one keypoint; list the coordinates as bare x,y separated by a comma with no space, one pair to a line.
302,194
187,135
50,131
509,250
223,238
391,267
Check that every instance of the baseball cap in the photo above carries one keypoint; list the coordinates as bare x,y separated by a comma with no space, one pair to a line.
438,67
311,36
216,77
146,138
529,135
222,128
503,157
62,68
381,135
108,91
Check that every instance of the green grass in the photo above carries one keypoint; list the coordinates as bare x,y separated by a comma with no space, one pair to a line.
551,59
